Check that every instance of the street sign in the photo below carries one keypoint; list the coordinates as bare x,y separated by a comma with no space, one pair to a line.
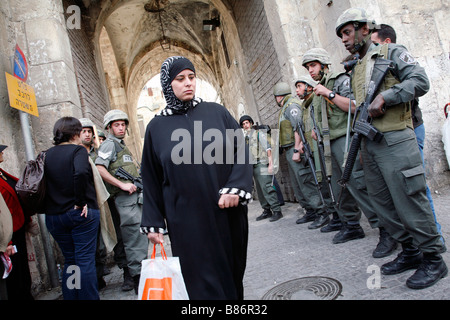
20,65
21,95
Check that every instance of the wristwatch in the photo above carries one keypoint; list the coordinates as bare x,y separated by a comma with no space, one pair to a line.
332,95
295,150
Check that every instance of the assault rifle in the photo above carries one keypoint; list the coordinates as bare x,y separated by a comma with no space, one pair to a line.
124,174
362,126
326,175
309,158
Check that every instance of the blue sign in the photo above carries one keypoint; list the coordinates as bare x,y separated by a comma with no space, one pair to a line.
20,65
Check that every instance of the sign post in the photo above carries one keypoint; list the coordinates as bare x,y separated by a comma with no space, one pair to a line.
22,97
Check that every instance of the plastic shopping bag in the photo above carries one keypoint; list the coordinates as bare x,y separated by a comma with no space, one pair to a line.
446,134
161,278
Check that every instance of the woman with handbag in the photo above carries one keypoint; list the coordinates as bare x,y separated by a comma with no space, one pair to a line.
18,283
72,213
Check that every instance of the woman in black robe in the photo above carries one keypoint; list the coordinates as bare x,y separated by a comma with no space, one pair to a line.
198,180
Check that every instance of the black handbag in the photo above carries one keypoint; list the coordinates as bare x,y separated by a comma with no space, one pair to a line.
31,184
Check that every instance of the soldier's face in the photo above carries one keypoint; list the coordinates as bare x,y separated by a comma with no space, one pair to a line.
86,136
314,68
300,89
348,36
246,125
119,128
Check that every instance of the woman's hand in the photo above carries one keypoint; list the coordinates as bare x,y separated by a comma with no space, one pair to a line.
228,201
155,238
84,211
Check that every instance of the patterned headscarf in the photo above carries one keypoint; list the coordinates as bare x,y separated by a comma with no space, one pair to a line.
169,70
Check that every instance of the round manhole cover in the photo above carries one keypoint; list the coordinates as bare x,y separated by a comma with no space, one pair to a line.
308,288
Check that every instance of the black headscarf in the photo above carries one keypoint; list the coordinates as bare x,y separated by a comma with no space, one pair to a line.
169,70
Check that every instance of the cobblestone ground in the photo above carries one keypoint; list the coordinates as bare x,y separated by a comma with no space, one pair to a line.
283,251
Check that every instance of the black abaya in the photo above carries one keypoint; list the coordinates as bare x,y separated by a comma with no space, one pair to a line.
210,242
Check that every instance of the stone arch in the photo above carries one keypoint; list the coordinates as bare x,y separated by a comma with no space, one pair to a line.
131,52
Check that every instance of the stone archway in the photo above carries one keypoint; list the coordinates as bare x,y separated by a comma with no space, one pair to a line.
129,35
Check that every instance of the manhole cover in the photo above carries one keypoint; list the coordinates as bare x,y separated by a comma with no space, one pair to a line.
308,288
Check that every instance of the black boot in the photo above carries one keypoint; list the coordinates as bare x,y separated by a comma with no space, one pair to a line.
309,216
386,245
321,220
409,258
349,232
128,283
432,269
276,216
334,225
136,283
266,214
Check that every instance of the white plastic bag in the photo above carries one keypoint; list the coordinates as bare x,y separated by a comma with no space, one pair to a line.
161,278
446,134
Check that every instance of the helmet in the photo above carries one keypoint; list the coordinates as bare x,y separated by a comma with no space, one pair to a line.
358,15
308,80
114,115
281,89
316,54
86,123
245,117
101,133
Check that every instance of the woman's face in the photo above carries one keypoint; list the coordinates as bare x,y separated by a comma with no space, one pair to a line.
1,157
184,85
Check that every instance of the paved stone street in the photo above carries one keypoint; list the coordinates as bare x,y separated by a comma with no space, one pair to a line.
294,262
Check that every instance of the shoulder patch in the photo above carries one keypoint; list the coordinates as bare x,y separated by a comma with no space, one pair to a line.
406,57
104,155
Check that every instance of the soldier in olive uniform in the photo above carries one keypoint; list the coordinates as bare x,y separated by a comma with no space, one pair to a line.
87,140
393,167
290,142
304,87
112,154
332,103
263,169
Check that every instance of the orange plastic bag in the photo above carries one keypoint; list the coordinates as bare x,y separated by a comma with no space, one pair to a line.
161,278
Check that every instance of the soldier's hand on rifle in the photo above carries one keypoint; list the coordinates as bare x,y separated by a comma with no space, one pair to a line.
314,135
128,187
296,157
376,108
320,90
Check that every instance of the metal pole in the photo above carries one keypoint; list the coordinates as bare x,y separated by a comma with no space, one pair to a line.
48,250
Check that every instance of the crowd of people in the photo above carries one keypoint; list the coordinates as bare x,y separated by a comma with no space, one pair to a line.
91,209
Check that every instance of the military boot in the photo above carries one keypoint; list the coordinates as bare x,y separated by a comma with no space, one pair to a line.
409,258
128,283
266,214
431,270
349,232
386,245
334,225
321,220
277,215
309,216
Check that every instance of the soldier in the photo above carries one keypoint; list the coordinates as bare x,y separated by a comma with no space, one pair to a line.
393,167
332,97
87,140
112,154
386,34
101,136
304,89
87,137
263,169
302,178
